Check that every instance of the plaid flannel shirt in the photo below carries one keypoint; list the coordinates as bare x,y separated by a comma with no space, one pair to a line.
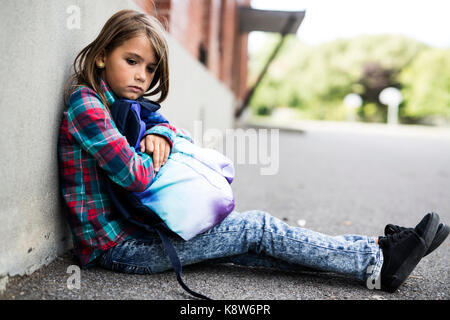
89,147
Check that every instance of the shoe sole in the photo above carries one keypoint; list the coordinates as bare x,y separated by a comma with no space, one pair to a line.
432,226
405,269
441,235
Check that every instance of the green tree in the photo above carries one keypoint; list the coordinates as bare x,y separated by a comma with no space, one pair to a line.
315,79
426,86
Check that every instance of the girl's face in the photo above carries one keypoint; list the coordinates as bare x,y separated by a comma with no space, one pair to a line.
129,69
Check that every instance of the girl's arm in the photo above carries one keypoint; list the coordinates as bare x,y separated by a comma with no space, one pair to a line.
92,127
165,130
158,139
156,123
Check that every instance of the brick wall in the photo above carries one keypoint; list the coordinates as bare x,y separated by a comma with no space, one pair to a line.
208,30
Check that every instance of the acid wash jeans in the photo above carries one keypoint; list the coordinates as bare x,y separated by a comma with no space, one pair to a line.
252,238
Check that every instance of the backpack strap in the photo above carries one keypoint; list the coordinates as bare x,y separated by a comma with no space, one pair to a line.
176,263
126,116
119,200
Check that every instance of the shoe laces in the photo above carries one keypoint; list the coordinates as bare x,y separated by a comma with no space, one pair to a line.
398,236
395,228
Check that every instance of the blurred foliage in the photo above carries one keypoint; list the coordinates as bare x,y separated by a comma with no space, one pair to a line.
426,85
315,79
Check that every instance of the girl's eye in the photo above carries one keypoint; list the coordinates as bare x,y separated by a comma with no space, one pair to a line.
131,61
151,70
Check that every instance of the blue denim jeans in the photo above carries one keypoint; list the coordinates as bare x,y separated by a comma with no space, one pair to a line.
252,238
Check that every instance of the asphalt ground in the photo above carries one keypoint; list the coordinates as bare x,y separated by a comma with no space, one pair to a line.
330,180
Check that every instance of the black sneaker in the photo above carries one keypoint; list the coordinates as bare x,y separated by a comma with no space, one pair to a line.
441,234
403,250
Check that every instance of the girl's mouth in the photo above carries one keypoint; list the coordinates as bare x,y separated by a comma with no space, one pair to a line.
135,89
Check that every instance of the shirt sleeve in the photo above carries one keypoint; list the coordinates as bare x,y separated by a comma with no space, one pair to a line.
164,130
185,134
92,127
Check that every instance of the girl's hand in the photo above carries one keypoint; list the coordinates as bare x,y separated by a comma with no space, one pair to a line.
158,146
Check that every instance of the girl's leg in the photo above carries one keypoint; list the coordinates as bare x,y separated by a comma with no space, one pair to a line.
242,235
252,259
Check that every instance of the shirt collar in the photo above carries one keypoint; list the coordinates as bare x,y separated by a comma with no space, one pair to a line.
109,94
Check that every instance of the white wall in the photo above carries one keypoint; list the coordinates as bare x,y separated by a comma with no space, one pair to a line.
195,94
37,50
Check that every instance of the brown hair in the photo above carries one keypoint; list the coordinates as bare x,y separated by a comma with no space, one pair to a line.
122,26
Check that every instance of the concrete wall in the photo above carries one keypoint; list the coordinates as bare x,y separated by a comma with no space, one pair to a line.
37,51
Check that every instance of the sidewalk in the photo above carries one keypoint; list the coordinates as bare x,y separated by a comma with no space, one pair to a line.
349,127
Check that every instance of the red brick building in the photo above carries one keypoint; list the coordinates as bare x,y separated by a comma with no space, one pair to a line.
209,30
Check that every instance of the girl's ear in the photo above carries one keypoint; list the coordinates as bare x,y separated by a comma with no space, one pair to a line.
100,60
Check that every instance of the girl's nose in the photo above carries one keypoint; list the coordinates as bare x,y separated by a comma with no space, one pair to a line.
140,75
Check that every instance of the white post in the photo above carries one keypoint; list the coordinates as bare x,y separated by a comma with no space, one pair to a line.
391,97
352,101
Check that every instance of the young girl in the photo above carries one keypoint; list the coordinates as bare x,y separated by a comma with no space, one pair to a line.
129,59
